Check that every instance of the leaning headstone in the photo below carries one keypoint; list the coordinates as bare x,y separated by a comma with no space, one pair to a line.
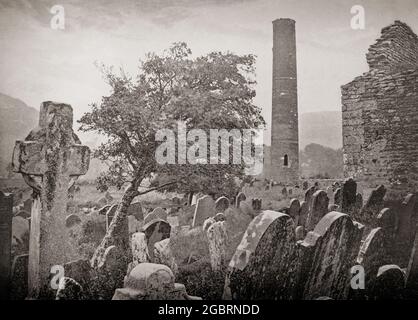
390,283
240,197
294,209
221,204
327,255
319,209
348,196
264,264
150,281
205,208
53,152
371,257
372,206
387,221
406,230
6,216
309,196
19,280
217,239
155,231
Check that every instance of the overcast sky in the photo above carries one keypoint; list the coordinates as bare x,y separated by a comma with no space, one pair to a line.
38,63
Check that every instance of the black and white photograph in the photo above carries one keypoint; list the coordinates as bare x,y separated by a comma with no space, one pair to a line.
211,151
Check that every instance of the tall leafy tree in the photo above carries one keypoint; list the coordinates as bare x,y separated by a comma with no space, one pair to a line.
214,91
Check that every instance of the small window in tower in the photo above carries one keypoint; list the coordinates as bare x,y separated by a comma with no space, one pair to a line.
285,160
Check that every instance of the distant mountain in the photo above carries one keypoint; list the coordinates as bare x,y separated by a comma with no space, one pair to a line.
16,121
324,128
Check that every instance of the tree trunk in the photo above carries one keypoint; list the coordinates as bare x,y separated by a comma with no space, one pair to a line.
118,232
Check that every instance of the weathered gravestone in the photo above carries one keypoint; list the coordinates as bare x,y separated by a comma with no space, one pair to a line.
219,217
72,220
294,210
338,197
139,248
371,257
372,206
246,208
359,203
50,160
389,284
155,231
163,255
135,209
300,233
348,196
264,265
284,192
205,208
412,272
309,196
157,213
217,240
330,193
150,281
327,255
221,204
406,230
240,197
303,213
6,216
256,204
319,209
387,220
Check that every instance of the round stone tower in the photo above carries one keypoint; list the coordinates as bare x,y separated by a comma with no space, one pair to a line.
284,128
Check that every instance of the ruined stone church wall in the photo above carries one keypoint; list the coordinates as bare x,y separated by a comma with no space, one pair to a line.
380,114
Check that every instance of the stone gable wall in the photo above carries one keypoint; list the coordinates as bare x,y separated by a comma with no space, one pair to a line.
380,114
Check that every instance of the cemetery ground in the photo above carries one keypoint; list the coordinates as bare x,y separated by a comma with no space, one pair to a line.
188,249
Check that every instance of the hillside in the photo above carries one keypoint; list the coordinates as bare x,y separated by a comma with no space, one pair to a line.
324,128
16,120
